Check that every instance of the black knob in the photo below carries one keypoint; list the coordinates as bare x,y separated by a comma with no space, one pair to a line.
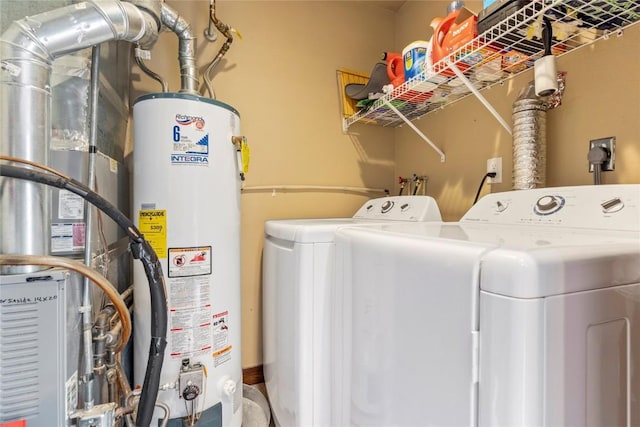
190,392
386,206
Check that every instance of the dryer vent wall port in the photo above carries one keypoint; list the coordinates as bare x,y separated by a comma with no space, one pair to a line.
609,146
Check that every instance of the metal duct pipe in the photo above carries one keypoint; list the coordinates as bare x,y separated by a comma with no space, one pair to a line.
529,140
186,49
27,50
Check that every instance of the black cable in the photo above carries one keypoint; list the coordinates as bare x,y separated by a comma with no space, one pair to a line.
141,250
484,178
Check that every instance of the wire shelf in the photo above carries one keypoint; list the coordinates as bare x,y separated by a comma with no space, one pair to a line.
503,51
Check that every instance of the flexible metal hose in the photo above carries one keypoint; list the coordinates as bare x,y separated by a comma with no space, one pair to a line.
88,272
226,31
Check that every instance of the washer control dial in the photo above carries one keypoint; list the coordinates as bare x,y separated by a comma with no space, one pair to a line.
613,205
501,206
404,207
386,206
546,205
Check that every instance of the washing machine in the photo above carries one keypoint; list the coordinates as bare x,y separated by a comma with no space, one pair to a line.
526,312
298,278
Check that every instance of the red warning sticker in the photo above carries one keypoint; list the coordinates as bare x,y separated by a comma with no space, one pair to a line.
186,262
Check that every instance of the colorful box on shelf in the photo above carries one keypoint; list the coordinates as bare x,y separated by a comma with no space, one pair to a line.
514,61
474,54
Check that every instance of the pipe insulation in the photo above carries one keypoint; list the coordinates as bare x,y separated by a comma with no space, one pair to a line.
27,51
141,250
529,140
186,49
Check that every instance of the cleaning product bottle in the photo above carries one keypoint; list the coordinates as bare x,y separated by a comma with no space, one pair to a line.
415,58
441,28
395,69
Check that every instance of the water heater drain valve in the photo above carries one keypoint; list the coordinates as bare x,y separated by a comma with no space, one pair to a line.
191,380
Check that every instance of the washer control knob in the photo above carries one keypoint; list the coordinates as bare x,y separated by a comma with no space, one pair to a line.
404,206
369,207
613,205
546,203
386,206
501,206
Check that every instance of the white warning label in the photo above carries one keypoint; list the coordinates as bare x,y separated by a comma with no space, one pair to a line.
186,262
190,320
70,205
221,346
190,332
67,237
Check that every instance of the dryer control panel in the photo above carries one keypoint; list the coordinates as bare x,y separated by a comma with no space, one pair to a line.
606,207
401,208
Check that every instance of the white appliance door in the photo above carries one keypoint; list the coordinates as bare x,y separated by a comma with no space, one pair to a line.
296,330
283,270
593,358
564,360
413,326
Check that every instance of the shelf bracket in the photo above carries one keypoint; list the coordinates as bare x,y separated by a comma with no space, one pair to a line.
478,95
415,129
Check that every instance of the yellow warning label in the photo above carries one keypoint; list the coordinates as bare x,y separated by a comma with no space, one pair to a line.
220,352
245,151
153,225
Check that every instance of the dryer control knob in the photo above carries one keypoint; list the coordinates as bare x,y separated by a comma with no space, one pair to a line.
386,206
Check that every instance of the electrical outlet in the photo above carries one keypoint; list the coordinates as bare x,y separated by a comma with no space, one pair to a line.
609,145
495,165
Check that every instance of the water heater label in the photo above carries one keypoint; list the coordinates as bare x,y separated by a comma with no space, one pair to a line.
186,262
190,141
221,346
153,225
189,316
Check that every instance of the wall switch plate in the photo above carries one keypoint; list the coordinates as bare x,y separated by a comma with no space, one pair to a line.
609,145
495,165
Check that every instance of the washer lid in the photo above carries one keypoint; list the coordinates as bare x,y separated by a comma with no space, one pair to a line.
310,230
375,211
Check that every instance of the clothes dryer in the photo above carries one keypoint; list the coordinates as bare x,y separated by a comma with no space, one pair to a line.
524,313
298,278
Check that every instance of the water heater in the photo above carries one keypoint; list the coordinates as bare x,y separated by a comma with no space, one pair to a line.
186,202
